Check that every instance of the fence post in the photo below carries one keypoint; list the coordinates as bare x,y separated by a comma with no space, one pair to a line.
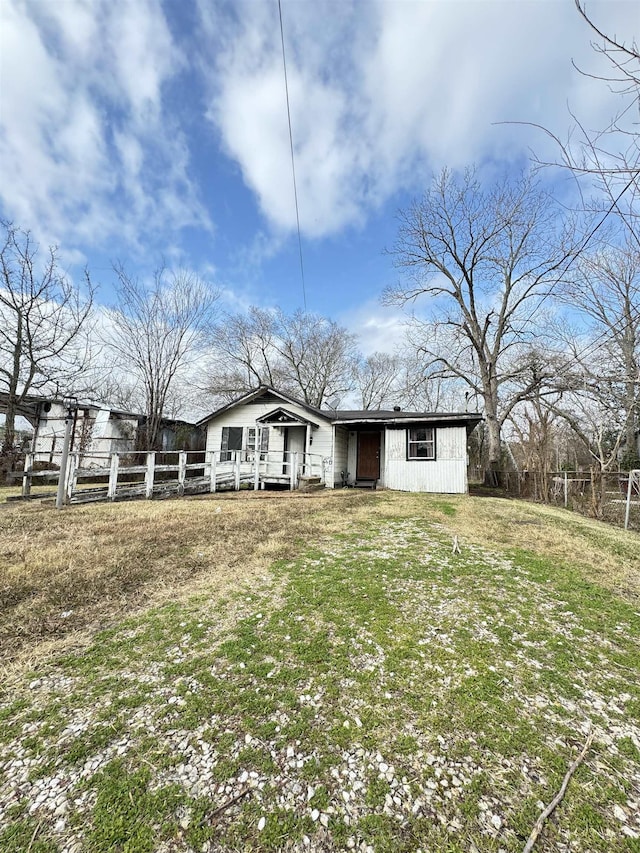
72,475
212,471
113,477
237,469
256,473
293,473
62,476
566,490
26,477
182,471
627,510
149,476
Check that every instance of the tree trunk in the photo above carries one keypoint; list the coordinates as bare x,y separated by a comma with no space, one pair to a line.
494,450
9,427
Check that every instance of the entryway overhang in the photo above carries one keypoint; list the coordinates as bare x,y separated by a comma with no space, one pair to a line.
282,417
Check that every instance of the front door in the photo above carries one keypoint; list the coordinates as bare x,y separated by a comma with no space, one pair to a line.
368,466
294,442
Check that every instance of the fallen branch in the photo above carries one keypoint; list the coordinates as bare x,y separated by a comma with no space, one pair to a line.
33,837
539,824
211,815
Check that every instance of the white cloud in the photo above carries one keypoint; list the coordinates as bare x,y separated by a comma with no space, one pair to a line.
90,154
382,92
379,329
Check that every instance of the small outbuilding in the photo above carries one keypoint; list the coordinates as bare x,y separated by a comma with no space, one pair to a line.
406,451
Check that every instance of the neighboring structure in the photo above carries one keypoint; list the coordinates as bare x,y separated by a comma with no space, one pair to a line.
97,431
407,451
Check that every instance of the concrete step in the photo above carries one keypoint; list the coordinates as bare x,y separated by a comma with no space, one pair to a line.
365,484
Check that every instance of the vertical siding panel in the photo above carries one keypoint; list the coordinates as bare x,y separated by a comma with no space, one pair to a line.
447,474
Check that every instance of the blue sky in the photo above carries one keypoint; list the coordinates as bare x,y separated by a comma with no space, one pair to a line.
138,129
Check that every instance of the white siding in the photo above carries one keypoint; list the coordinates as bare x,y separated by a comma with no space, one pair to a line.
447,473
245,414
352,460
340,454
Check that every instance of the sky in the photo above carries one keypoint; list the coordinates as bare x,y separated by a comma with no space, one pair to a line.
143,131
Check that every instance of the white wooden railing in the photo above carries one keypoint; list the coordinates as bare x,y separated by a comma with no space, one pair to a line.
192,471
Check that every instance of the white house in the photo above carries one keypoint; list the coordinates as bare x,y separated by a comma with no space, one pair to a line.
407,451
97,431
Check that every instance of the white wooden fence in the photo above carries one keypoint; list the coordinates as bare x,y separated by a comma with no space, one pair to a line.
125,476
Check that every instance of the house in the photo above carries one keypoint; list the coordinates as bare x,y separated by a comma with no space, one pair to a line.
407,451
97,430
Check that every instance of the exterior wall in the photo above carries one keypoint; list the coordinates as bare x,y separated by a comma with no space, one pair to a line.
112,434
446,474
97,429
245,415
50,434
341,443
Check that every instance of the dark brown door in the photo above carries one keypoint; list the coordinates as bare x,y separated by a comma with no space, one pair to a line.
368,467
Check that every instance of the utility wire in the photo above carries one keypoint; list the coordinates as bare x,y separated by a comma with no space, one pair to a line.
293,163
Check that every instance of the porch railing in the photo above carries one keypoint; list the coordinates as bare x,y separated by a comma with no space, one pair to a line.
147,473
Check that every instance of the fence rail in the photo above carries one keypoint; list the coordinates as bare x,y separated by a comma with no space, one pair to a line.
154,473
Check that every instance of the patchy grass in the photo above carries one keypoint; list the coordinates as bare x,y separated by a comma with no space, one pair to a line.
605,554
64,574
358,687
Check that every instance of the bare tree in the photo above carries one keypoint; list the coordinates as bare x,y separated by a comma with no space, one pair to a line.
305,354
42,318
317,357
376,380
245,353
155,330
605,288
486,259
608,158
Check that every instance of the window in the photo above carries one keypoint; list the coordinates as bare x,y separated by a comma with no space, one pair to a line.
251,441
421,443
231,440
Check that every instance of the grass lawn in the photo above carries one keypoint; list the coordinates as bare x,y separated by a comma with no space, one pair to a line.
321,672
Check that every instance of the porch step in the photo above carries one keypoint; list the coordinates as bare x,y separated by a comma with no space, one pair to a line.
365,484
309,484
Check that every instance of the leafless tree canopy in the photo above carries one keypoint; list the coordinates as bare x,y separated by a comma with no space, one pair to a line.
42,316
376,381
305,354
602,376
608,158
155,330
486,259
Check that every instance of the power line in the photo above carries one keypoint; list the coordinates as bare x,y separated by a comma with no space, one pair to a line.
293,163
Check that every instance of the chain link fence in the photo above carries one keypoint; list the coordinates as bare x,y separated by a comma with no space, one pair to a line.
613,497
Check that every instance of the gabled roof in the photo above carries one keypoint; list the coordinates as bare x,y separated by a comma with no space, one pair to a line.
260,392
283,417
350,417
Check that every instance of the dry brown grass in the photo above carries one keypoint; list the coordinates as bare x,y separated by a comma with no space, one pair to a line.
64,575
